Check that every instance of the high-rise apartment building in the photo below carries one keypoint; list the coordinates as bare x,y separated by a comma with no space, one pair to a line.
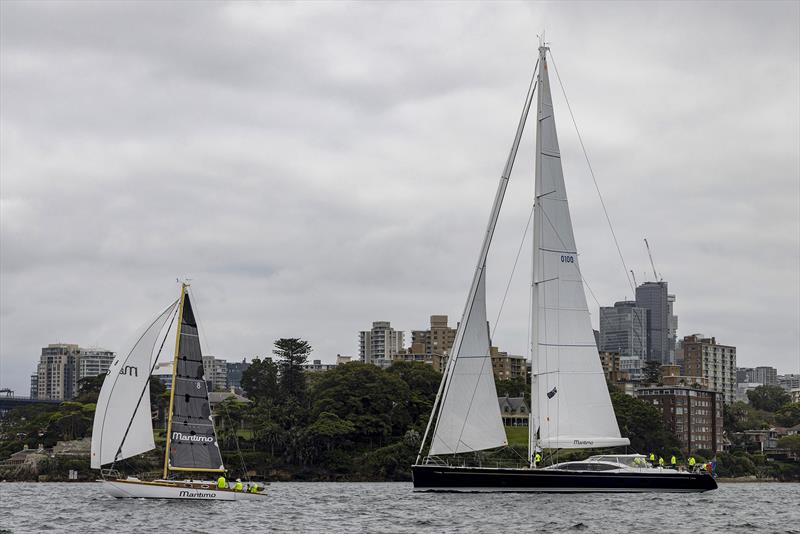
379,345
216,373
234,373
661,321
693,415
93,362
789,382
623,330
704,357
438,339
62,365
507,366
766,376
34,386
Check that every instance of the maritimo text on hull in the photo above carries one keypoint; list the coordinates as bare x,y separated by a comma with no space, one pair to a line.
571,407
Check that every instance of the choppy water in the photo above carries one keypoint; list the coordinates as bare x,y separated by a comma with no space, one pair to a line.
363,507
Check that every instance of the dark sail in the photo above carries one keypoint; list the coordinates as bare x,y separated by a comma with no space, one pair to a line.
192,441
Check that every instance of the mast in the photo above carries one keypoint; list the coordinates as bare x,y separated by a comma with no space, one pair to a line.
481,265
174,371
537,226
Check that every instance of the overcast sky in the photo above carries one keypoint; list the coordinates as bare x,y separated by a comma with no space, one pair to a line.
316,167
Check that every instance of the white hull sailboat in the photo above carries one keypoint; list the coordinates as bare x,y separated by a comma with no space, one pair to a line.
571,406
123,427
174,489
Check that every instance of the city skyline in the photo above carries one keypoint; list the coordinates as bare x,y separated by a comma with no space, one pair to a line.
310,201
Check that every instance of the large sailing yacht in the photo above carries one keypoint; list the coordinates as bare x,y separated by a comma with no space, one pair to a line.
571,404
123,427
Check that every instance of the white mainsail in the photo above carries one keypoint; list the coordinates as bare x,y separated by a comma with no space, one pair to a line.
121,402
569,391
469,419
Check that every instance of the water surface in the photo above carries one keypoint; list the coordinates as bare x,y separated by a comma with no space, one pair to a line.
394,507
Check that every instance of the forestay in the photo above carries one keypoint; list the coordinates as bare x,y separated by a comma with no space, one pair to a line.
125,399
192,441
569,391
469,419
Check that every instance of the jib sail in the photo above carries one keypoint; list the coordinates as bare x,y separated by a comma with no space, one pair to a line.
191,440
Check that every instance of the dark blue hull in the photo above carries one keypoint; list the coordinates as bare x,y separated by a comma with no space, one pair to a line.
481,479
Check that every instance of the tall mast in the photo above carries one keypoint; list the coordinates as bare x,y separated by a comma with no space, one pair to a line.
174,371
537,228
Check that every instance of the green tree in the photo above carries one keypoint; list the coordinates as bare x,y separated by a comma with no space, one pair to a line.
260,380
89,388
423,382
790,442
768,398
293,353
788,414
652,372
375,401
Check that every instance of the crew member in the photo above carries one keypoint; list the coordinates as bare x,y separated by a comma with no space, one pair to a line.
221,483
652,458
691,462
238,486
253,488
537,458
673,461
660,461
637,461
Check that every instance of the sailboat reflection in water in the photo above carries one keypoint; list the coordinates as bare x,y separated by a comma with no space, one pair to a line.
571,404
123,426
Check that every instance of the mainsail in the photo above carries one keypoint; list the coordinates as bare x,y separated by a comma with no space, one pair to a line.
569,392
191,440
122,426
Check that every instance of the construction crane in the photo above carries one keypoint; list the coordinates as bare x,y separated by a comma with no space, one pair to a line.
650,254
634,279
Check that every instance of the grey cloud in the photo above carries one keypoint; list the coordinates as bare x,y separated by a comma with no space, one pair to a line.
314,167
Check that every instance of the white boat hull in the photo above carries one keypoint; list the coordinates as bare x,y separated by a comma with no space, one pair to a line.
162,489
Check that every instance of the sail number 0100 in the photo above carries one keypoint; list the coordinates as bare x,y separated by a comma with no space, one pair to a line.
567,259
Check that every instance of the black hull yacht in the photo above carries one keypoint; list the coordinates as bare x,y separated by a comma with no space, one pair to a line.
571,477
570,403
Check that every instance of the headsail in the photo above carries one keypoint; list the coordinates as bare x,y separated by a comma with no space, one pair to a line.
569,391
466,409
191,440
470,417
125,400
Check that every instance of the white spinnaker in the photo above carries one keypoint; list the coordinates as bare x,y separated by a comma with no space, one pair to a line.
128,375
469,418
568,388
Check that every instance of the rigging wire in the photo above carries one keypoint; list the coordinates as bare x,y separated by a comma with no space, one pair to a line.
591,172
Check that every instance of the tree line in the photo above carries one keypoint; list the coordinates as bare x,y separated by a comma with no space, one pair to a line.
355,422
